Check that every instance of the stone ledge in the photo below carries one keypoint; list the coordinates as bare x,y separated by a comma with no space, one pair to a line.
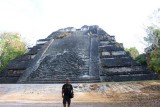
117,62
133,77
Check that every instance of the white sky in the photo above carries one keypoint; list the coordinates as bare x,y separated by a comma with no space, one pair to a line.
36,19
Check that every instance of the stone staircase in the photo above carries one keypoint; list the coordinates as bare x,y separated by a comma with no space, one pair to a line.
62,78
71,62
116,65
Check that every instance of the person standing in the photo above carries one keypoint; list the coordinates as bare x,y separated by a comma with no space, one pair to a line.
67,93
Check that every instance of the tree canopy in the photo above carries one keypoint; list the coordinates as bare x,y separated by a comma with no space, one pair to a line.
153,39
133,52
141,59
154,62
11,46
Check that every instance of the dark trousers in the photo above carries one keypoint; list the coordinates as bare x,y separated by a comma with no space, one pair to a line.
67,100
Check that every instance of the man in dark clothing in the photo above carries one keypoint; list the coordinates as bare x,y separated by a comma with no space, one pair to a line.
67,93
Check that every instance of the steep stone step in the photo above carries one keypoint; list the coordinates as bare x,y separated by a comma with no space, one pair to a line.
117,62
17,65
63,80
107,38
112,53
34,50
102,43
110,48
125,70
126,73
57,82
113,56
132,77
9,79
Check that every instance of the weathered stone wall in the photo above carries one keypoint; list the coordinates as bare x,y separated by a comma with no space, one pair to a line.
84,55
116,65
94,56
68,56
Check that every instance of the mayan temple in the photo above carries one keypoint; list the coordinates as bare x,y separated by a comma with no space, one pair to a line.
87,54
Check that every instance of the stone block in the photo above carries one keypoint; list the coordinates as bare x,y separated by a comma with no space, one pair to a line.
9,79
113,56
16,65
118,52
106,53
104,43
117,62
109,48
133,77
125,70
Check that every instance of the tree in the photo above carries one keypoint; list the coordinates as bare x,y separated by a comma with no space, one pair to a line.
11,46
133,52
141,59
153,36
153,29
155,60
153,39
154,18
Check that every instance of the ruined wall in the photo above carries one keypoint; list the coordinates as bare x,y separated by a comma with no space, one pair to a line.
88,54
66,57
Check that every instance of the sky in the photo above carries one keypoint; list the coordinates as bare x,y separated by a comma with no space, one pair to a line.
36,19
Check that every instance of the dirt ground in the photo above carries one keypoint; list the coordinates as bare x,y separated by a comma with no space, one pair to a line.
109,94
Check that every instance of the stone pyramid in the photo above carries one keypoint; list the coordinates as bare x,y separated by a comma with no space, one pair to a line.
87,54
